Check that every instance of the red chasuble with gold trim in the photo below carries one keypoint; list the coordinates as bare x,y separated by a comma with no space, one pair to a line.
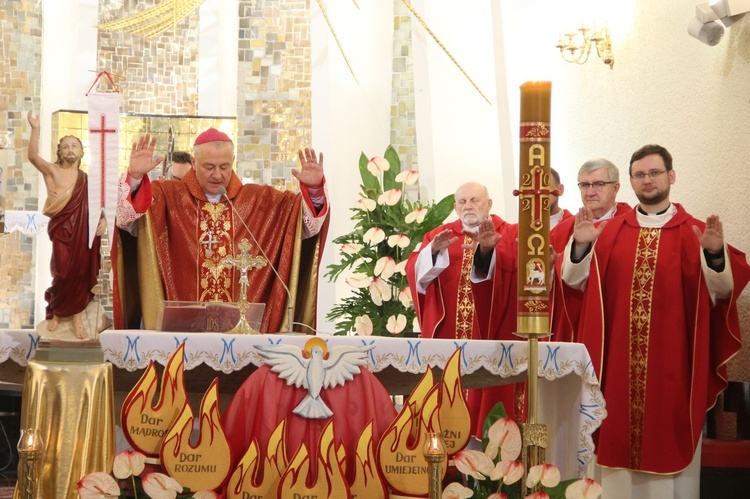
657,343
184,239
454,307
566,301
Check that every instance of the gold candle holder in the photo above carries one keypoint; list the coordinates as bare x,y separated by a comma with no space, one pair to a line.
434,454
30,452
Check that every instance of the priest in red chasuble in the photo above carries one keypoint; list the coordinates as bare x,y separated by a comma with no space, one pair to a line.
660,321
447,303
599,183
185,229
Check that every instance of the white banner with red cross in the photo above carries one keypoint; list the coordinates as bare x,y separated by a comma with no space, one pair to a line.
104,148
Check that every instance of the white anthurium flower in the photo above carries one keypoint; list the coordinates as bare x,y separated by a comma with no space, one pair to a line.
400,267
416,216
408,177
585,488
160,486
366,204
415,324
456,491
547,474
377,165
351,248
206,494
404,296
505,436
128,463
390,197
359,281
363,325
374,236
380,291
400,240
473,463
396,324
509,471
384,267
98,485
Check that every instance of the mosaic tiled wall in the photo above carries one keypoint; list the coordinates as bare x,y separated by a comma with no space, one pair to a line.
20,72
273,92
403,116
157,75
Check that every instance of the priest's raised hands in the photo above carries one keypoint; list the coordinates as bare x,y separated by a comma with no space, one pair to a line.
585,232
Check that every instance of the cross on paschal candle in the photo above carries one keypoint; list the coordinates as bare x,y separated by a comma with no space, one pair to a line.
103,130
534,190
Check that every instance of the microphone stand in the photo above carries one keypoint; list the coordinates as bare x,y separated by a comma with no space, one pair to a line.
290,307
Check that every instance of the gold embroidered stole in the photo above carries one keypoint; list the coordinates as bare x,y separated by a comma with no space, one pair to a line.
465,296
215,239
641,303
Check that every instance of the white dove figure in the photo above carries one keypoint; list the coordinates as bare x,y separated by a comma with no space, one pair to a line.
313,372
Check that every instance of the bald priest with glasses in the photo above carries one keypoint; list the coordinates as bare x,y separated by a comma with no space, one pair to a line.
659,318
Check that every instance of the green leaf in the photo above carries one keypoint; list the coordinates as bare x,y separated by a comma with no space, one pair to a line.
389,176
369,181
438,213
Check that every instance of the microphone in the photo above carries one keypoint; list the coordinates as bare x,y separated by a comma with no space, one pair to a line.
290,308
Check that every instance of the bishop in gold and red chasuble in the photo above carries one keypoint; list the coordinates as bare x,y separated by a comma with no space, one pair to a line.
185,234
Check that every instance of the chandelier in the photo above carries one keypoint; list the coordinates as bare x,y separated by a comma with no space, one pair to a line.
576,46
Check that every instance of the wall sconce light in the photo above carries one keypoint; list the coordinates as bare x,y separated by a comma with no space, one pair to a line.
705,25
576,46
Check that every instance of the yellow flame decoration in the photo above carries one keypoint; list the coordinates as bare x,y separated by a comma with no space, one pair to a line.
145,424
367,482
455,419
329,483
417,397
155,20
245,482
206,465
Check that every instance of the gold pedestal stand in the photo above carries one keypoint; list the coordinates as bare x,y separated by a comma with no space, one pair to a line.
535,436
68,398
243,263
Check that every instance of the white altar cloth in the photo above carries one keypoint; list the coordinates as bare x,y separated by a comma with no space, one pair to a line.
573,406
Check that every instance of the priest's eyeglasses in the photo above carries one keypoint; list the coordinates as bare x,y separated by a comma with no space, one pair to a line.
641,175
598,186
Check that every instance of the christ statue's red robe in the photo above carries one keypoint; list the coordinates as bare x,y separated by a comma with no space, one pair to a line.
74,265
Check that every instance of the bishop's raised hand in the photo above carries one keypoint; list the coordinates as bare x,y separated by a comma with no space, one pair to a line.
310,172
142,159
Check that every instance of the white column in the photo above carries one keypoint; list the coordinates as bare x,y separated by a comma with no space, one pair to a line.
217,71
68,69
457,129
349,117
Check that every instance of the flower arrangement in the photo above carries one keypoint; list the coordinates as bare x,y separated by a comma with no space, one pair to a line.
388,228
127,467
496,472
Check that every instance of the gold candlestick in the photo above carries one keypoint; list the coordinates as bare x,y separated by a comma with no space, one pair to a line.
434,454
30,452
533,252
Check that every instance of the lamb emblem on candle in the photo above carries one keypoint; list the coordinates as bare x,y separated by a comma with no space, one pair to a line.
314,368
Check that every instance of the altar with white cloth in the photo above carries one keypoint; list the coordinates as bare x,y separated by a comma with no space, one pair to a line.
570,399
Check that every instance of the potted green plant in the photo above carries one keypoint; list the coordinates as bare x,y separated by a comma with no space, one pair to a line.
388,228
